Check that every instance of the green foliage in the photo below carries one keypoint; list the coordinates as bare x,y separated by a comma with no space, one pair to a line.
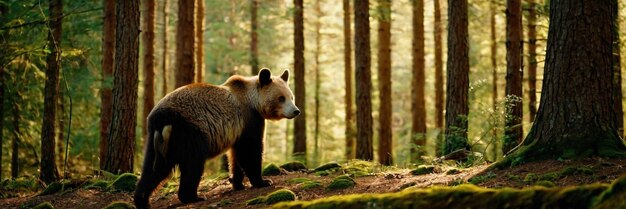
271,170
453,171
54,187
120,205
293,166
124,183
224,202
15,187
98,184
612,197
280,195
297,180
423,169
360,168
482,178
327,166
256,200
545,183
310,185
44,205
341,182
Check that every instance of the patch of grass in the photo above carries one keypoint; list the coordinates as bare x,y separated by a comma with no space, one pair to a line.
573,170
310,185
341,182
482,178
360,168
327,166
124,183
550,176
423,169
44,205
120,205
271,170
280,195
513,177
293,166
15,187
545,183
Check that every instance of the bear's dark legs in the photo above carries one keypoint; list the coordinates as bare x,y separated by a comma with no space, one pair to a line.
190,174
151,176
249,155
236,178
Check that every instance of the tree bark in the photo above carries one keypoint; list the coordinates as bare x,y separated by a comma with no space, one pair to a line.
576,116
418,103
165,58
347,60
439,97
617,77
185,50
48,169
513,122
16,139
494,78
108,53
3,11
254,49
148,62
124,115
532,60
299,148
363,79
385,151
458,77
317,53
200,41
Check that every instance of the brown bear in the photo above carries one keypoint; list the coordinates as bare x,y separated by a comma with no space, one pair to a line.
199,121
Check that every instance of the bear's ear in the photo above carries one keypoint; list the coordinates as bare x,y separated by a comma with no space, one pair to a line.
285,76
265,76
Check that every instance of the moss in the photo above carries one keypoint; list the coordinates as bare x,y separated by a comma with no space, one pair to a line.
551,176
99,184
481,178
125,183
341,182
571,170
280,195
613,196
297,180
224,202
293,166
52,188
271,170
360,168
453,171
310,185
44,205
119,205
256,200
530,178
327,166
423,169
545,183
322,173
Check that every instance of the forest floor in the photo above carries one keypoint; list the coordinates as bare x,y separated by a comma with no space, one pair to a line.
369,178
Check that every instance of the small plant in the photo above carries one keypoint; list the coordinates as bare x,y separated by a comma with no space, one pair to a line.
531,177
481,178
453,171
423,169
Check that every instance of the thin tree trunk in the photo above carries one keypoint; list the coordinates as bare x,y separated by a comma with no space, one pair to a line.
513,123
494,78
418,103
61,131
185,50
48,169
124,117
458,77
439,97
254,49
318,51
347,60
108,53
532,60
200,41
16,139
578,80
385,152
3,12
617,74
299,148
148,62
363,78
164,59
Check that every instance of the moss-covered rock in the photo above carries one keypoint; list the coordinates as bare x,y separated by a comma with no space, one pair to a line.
545,183
280,195
359,168
256,200
310,185
44,205
423,169
298,180
271,170
341,182
327,166
613,197
293,166
120,205
52,188
99,184
124,183
481,178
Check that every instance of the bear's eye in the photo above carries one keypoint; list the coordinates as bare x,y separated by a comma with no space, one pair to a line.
281,99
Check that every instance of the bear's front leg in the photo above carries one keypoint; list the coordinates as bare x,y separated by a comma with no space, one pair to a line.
249,155
236,173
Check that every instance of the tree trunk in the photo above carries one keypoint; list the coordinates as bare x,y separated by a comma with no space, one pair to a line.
3,12
363,79
385,152
108,53
48,169
185,50
60,135
299,148
16,139
513,121
318,51
576,116
418,103
438,77
617,77
494,79
164,59
532,60
148,62
124,117
458,77
347,60
254,49
200,41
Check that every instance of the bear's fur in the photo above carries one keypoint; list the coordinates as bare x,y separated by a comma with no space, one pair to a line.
199,121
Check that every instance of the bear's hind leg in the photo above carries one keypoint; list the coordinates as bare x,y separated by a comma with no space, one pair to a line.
152,175
191,170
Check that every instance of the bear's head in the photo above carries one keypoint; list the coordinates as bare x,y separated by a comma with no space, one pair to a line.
276,101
